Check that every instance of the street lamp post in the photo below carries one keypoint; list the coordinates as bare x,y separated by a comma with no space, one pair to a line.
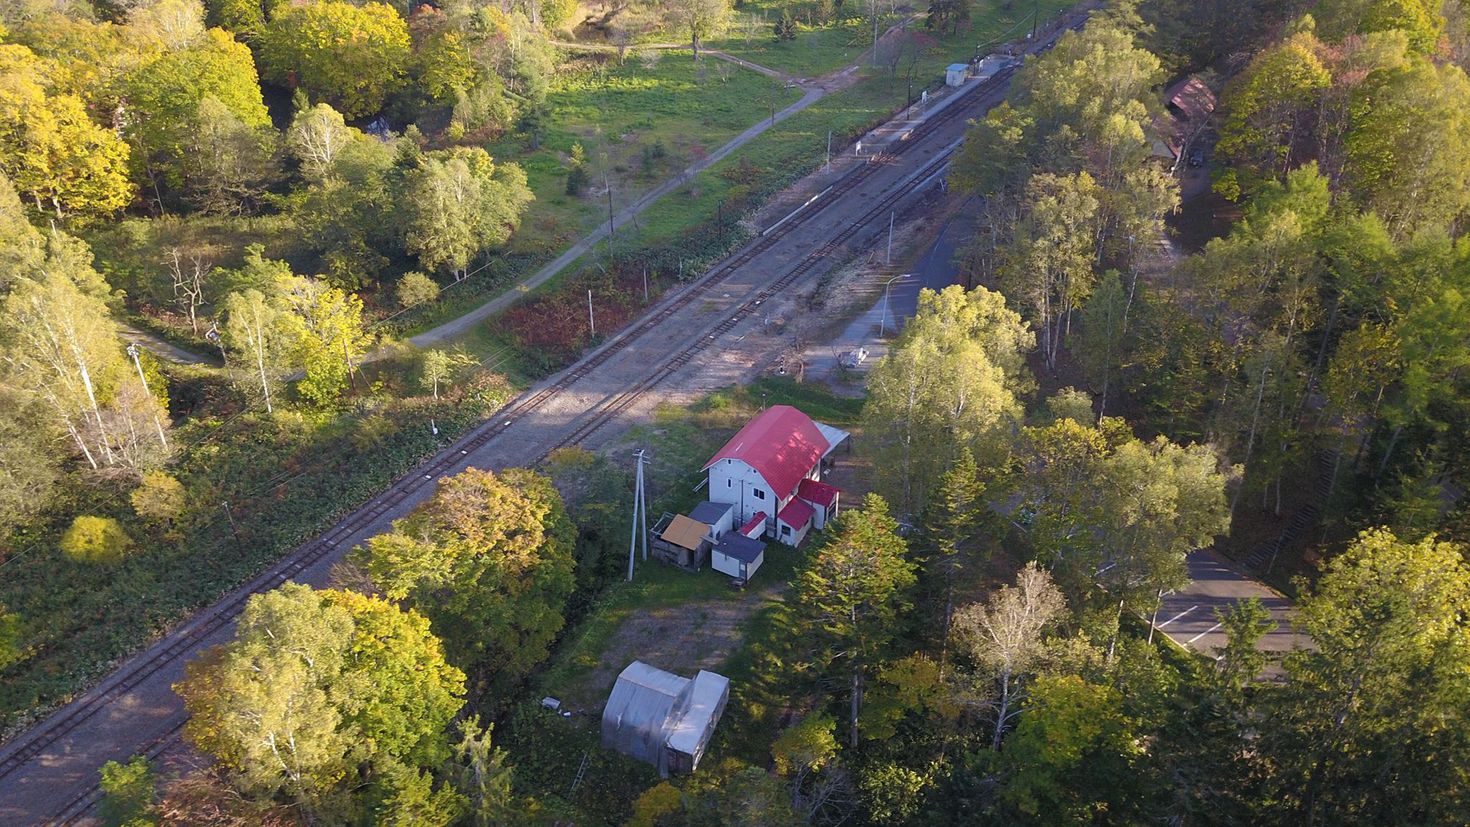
883,320
133,352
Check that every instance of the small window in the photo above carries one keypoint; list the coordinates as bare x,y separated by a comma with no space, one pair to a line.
785,531
729,483
759,494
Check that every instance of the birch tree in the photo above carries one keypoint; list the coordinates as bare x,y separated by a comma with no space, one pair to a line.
1050,265
188,283
61,345
317,138
950,382
460,203
1004,637
254,332
324,329
319,693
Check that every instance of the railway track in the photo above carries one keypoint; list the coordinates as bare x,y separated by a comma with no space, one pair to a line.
213,619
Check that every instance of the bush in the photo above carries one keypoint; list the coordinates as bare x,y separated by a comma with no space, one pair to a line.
127,793
96,540
158,499
784,28
416,288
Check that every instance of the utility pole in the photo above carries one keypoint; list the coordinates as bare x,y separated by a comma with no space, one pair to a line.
1035,16
610,229
239,546
133,352
645,284
640,511
829,149
591,321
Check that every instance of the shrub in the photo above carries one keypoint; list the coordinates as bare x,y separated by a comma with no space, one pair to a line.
159,498
416,288
127,793
95,540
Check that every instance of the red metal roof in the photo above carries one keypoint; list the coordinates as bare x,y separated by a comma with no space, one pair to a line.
817,492
796,514
782,445
756,522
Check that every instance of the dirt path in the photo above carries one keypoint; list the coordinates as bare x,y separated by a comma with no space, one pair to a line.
682,639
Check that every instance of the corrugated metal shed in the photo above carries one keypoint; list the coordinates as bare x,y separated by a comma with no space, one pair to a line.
661,718
638,711
691,734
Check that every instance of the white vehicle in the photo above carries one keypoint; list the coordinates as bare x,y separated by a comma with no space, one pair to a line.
853,358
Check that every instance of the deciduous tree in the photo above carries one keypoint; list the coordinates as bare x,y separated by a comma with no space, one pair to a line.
161,102
1004,638
1050,268
460,203
61,161
1371,724
254,330
949,382
323,326
96,540
489,559
318,691
317,138
350,56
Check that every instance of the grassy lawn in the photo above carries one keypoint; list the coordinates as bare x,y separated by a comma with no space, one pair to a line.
816,51
821,49
638,123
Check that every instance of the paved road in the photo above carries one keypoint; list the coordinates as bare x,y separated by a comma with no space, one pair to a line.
131,710
876,326
1188,615
158,346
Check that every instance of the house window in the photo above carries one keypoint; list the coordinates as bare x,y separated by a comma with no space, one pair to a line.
759,494
785,531
729,483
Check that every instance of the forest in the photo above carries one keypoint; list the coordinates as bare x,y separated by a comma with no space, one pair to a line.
1274,367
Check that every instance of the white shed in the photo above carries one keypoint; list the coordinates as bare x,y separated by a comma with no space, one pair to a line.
955,74
662,718
718,516
738,556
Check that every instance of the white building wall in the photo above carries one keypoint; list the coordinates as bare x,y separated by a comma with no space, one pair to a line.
725,565
732,481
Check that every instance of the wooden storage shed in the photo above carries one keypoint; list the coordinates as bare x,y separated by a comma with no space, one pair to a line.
681,541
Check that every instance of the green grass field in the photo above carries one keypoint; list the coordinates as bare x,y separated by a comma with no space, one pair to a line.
638,123
820,49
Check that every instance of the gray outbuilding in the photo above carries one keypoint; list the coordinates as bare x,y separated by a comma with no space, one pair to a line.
663,719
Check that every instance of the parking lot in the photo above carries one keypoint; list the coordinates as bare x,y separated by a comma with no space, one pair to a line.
1188,615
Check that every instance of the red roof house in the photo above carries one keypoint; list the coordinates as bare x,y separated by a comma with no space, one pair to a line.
793,522
783,445
762,467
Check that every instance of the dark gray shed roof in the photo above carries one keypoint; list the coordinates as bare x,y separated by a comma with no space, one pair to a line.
710,513
740,547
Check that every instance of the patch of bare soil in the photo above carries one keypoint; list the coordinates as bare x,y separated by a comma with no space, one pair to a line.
680,639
